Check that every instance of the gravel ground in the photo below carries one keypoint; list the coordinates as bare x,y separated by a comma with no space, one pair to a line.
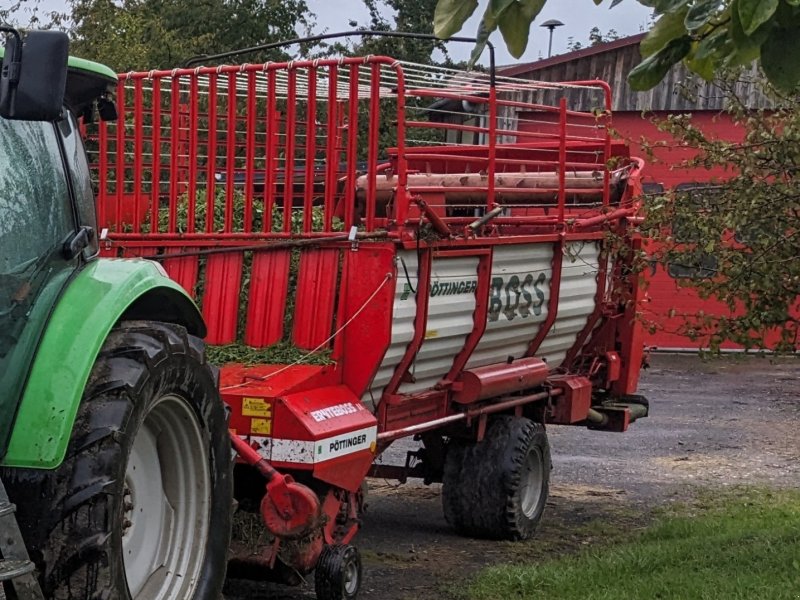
722,422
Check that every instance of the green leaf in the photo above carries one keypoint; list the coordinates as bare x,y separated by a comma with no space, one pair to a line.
747,48
663,7
754,13
450,16
514,18
652,69
532,8
780,59
480,45
702,62
700,13
515,29
711,45
666,29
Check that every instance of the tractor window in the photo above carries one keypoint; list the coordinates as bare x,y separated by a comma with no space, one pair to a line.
35,220
35,214
80,175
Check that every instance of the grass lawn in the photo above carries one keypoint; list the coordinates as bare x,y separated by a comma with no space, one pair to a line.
742,545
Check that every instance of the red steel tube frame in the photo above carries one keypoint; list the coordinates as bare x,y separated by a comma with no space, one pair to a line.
388,436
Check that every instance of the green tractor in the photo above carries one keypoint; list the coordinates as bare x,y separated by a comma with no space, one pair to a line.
116,461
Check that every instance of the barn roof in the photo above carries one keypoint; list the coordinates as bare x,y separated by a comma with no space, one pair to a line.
521,69
680,90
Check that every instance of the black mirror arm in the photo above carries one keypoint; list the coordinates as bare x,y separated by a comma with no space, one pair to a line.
16,60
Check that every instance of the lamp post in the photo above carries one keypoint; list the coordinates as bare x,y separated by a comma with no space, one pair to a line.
551,25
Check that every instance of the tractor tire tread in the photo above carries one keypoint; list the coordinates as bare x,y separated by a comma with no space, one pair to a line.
59,511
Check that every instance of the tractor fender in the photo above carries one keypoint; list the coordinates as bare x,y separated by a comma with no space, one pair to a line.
101,294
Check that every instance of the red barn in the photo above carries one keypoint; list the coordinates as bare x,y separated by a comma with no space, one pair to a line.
634,114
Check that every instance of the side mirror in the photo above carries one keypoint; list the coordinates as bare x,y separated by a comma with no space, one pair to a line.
34,75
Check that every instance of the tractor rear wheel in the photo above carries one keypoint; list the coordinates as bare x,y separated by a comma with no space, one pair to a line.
498,488
140,508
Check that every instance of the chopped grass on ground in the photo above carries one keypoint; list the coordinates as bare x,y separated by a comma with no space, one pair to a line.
742,545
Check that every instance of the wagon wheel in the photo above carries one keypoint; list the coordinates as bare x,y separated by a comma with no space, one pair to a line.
498,488
338,573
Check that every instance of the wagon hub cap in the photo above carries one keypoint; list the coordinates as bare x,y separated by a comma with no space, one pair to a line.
166,504
532,482
351,577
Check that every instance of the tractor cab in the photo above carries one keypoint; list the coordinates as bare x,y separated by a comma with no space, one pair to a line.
47,216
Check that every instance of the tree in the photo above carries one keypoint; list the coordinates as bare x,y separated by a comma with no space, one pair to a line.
148,34
595,37
707,35
737,239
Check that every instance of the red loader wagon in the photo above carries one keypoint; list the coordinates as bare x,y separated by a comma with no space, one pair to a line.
463,281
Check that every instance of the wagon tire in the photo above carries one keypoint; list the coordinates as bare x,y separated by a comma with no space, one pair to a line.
498,488
338,573
140,507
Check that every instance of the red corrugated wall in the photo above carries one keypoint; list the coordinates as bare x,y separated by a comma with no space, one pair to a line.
664,296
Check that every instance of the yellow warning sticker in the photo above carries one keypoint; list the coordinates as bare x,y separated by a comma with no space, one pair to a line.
255,407
261,426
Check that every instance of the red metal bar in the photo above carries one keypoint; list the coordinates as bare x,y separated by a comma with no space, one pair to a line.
289,147
138,127
250,151
175,118
374,139
352,149
467,414
102,176
562,159
331,150
278,66
479,318
270,169
422,298
614,215
441,125
230,152
553,300
211,159
155,193
194,150
311,149
402,196
492,169
120,158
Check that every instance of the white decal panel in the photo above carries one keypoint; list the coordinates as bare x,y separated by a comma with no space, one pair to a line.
518,305
311,452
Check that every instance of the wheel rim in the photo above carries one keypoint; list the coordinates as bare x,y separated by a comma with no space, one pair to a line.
532,482
166,503
351,577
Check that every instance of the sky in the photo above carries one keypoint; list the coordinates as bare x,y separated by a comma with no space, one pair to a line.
579,16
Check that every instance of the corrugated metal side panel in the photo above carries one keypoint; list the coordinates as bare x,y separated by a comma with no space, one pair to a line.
506,336
269,282
450,318
184,270
316,296
577,300
221,297
404,310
